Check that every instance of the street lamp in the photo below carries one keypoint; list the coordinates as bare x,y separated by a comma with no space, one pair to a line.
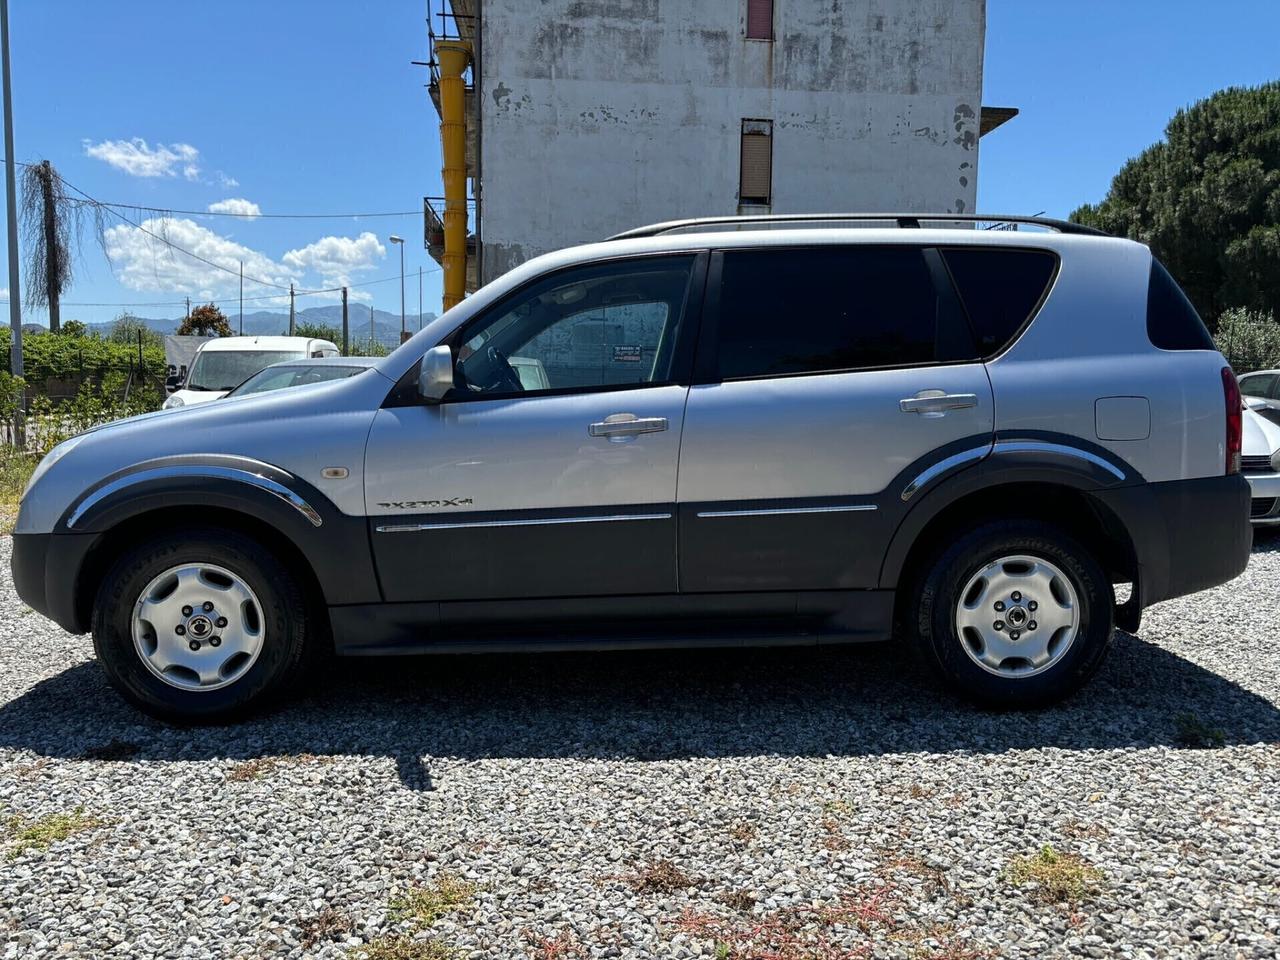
400,240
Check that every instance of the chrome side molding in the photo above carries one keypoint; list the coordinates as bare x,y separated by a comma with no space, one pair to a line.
782,511
548,521
253,472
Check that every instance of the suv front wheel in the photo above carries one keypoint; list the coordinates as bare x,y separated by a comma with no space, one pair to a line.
201,626
1015,614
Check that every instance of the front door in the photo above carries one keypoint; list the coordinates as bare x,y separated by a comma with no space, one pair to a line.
550,469
827,378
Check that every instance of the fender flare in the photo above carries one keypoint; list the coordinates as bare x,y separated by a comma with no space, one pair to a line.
1048,459
335,545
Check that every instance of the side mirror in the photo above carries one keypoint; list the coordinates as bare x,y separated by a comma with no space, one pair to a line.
435,376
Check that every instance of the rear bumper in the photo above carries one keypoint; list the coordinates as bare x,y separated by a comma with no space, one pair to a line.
1188,535
45,569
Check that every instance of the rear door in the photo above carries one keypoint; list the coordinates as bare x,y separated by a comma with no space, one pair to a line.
827,378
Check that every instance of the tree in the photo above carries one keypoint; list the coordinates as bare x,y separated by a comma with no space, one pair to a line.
50,222
75,328
126,328
318,331
205,321
1207,201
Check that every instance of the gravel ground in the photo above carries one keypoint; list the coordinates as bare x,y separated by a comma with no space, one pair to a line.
810,803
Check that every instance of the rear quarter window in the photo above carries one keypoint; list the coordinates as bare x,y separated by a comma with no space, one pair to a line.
1172,322
1001,289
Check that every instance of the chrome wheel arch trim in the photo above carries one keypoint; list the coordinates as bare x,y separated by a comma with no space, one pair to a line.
225,467
974,454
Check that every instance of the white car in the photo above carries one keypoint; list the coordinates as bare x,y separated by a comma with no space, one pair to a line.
222,363
1260,464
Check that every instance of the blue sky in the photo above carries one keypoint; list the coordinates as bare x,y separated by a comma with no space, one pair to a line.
303,106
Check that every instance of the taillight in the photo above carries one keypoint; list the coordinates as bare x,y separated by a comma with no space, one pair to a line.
1235,415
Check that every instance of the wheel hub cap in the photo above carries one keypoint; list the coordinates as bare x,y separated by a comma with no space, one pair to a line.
1017,616
198,627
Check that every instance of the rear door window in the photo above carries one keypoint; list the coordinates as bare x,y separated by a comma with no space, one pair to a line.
1001,289
826,309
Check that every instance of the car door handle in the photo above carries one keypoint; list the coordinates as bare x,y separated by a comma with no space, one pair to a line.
623,426
936,403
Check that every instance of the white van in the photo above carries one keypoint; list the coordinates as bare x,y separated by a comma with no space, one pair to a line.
226,362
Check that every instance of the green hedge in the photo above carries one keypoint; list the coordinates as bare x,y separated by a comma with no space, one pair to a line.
62,356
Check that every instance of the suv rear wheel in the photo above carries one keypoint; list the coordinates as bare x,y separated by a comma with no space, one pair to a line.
1015,614
199,627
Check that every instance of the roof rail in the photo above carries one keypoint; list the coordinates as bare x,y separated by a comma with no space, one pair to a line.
904,220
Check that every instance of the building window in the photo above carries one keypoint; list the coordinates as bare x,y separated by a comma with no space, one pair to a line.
755,181
759,19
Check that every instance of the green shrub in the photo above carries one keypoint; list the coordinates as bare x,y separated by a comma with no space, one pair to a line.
1249,340
61,356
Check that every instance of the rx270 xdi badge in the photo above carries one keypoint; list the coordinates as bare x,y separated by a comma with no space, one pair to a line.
426,504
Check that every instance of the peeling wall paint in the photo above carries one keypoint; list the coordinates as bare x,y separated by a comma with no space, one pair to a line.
599,115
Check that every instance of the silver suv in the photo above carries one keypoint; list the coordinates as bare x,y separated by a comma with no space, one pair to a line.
793,431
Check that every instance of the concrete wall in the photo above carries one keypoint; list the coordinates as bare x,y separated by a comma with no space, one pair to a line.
600,115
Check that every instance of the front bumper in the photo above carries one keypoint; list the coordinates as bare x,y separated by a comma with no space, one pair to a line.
1265,491
46,569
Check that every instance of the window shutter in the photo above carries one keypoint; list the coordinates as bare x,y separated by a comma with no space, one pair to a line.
757,168
760,19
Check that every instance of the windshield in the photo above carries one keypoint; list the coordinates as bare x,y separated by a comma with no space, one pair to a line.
293,375
223,369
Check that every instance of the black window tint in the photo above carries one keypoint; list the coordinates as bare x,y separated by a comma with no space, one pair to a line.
1172,322
826,308
1000,289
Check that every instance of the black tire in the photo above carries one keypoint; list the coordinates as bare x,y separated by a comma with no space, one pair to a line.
284,622
939,593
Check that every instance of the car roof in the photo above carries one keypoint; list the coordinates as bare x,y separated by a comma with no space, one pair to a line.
1256,373
263,343
325,362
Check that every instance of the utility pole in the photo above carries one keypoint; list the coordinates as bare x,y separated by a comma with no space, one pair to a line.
346,351
242,298
371,328
188,308
419,298
399,241
292,326
52,268
11,193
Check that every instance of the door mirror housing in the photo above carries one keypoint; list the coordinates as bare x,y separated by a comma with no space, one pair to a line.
435,376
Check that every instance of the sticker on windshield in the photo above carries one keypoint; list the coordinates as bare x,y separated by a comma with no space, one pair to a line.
626,353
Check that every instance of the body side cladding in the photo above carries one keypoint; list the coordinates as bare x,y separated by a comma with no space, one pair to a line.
652,621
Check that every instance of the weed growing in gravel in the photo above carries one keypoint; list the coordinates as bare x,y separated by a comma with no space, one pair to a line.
740,900
661,876
405,948
1194,732
425,905
40,834
1058,877
258,767
563,946
328,924
743,831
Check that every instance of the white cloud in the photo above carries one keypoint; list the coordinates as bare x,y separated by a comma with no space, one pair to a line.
137,158
225,182
337,259
237,205
144,262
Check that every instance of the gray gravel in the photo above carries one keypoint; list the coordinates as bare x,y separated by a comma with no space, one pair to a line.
645,805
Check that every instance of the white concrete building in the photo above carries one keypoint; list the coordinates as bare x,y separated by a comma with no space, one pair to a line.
588,117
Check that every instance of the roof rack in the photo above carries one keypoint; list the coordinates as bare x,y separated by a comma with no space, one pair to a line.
904,220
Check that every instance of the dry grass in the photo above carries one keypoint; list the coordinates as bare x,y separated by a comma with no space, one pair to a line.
426,904
1056,877
15,471
43,832
563,946
743,831
405,948
661,876
256,768
328,924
